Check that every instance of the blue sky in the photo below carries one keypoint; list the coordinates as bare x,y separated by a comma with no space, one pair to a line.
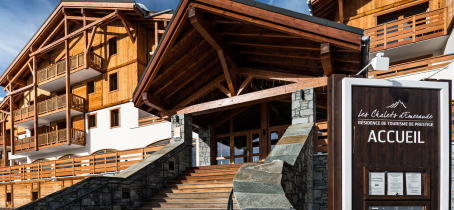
20,19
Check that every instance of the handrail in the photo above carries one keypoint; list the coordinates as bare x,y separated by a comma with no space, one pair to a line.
411,29
77,166
230,202
80,197
75,61
146,182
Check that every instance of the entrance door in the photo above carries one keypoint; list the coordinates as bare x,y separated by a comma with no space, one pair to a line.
239,148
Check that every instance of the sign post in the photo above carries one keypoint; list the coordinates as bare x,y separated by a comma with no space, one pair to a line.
395,145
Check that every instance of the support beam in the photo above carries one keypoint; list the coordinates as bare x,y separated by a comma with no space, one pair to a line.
20,90
341,11
153,101
327,61
11,121
250,98
56,29
73,34
227,115
201,92
75,18
126,24
125,18
92,37
223,89
68,85
65,11
16,80
208,32
35,103
5,151
85,37
245,84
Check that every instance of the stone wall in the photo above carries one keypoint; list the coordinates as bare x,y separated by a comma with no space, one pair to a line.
320,176
126,190
203,145
285,179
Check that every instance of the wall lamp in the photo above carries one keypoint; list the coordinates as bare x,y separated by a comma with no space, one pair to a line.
378,63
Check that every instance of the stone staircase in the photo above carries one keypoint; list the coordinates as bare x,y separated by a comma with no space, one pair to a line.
203,188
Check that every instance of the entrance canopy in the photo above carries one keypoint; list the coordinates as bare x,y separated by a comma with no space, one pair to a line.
220,54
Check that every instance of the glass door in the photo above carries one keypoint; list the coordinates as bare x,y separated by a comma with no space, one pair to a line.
255,147
240,148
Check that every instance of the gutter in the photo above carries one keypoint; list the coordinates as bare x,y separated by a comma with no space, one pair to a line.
365,41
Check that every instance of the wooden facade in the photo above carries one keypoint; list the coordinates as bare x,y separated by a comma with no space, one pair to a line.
81,45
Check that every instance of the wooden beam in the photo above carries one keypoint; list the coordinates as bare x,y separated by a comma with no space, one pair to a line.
45,56
65,11
327,62
35,103
245,84
73,34
68,85
153,101
341,11
227,115
202,91
125,18
223,89
76,22
208,32
16,80
75,18
272,75
125,22
85,12
250,98
92,37
11,111
56,29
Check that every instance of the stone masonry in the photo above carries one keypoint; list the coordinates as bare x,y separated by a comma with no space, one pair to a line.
320,175
285,179
204,147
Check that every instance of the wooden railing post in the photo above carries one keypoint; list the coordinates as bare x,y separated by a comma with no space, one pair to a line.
414,28
94,160
74,166
116,161
55,168
39,170
384,36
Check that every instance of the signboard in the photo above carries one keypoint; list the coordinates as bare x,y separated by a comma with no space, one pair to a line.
395,144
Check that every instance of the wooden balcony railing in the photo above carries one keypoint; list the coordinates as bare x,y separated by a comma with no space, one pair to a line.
321,141
412,67
24,113
76,61
59,137
8,140
59,102
24,144
411,29
150,120
78,166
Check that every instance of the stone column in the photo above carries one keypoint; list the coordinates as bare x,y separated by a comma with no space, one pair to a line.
184,122
204,150
303,109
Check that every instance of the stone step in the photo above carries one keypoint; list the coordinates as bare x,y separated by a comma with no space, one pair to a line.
202,181
220,173
199,186
193,200
192,190
210,170
192,195
238,165
235,208
188,205
208,177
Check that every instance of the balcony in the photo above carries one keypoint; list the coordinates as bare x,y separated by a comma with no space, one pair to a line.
49,110
412,29
50,142
53,77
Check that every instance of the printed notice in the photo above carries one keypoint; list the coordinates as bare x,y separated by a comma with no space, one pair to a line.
413,183
376,183
395,183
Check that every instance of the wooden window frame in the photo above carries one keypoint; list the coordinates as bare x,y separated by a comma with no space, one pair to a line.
110,117
94,87
96,120
109,41
110,82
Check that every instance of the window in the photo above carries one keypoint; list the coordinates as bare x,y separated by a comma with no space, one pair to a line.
113,82
34,196
91,87
8,197
92,121
112,46
115,118
398,14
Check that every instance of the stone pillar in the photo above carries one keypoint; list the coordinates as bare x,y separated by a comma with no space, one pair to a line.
184,122
303,109
204,150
